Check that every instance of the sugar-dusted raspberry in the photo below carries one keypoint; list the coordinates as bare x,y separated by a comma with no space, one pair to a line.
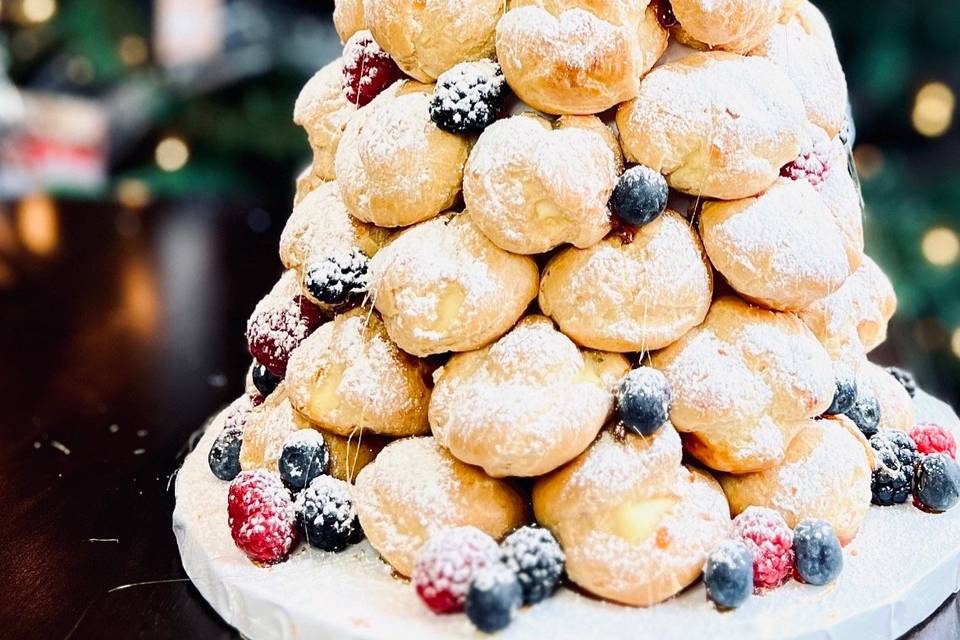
771,541
280,322
367,69
932,438
261,516
812,165
447,563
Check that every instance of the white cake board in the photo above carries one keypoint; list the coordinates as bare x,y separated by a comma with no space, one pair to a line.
900,568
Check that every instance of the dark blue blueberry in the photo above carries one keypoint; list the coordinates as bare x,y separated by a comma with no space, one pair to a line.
305,456
224,456
536,558
817,555
938,483
728,574
336,280
326,516
263,380
896,456
845,395
865,413
640,196
644,399
493,598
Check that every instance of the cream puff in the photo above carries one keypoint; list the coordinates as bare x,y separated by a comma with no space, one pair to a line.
443,286
897,409
525,405
730,25
348,18
323,111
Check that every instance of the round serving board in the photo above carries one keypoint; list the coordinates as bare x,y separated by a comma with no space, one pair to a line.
899,569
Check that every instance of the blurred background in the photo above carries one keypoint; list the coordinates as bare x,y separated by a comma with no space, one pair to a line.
171,121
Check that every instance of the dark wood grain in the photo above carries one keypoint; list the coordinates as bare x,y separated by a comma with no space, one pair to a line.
136,321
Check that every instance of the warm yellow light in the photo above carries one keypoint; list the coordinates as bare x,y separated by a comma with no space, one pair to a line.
869,160
37,225
38,10
133,193
933,109
132,50
941,247
955,342
172,154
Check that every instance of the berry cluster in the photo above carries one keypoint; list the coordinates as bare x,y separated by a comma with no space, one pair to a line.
463,569
920,463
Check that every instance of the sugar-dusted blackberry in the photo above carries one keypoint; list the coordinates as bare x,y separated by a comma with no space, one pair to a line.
326,516
905,378
336,280
865,412
535,556
845,394
263,380
938,483
896,456
644,399
640,196
304,457
468,97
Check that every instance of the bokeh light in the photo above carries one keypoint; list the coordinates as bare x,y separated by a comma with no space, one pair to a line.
132,50
133,193
172,154
933,109
955,342
869,160
38,10
37,225
941,247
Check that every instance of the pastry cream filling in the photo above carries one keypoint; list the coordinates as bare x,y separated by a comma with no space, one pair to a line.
637,521
324,398
448,307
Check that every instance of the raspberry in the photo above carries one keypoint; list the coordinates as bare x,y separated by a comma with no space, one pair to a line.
932,438
367,69
812,164
261,517
448,562
770,539
896,457
280,322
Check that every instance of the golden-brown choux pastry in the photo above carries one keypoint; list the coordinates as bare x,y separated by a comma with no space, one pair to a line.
415,488
525,405
578,56
841,195
348,377
635,526
443,286
730,25
825,474
803,47
592,123
716,124
744,383
323,110
306,182
320,227
781,249
852,321
897,409
348,18
530,187
269,426
395,167
428,37
636,296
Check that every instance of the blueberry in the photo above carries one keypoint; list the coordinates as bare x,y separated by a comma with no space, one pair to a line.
224,456
493,598
536,558
305,457
640,196
263,380
817,555
845,395
336,280
326,516
937,485
728,574
865,413
644,400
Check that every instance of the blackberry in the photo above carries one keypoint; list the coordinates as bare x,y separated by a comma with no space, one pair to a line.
305,456
905,378
644,398
640,196
896,456
493,598
817,556
338,279
845,395
467,97
938,483
224,456
326,516
263,380
865,413
728,574
536,558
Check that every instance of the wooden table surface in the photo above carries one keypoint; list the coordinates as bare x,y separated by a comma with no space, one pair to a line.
114,348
